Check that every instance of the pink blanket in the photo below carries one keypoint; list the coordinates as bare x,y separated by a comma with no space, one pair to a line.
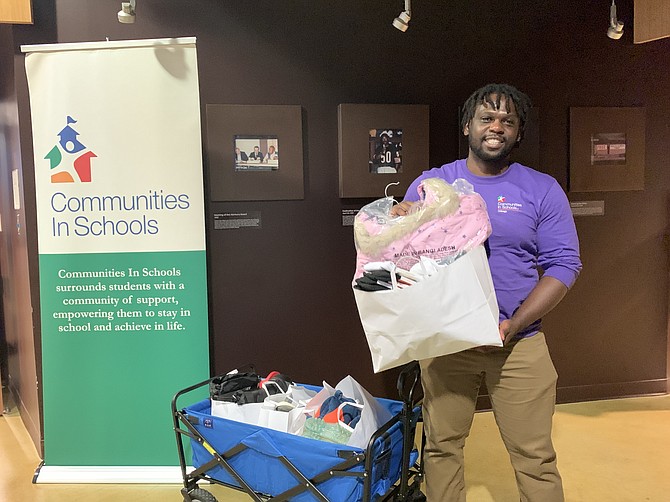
440,238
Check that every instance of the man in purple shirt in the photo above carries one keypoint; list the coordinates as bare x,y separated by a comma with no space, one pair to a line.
534,260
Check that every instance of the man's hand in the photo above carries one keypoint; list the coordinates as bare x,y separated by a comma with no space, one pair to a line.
507,331
546,294
401,209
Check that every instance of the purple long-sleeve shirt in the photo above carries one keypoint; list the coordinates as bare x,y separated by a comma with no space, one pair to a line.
532,227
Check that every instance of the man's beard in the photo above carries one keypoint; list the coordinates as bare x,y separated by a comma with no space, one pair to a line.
491,156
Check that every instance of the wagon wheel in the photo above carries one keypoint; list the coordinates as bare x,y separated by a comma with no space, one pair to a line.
414,495
200,495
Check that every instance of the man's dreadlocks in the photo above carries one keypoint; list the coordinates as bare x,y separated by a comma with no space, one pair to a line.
521,103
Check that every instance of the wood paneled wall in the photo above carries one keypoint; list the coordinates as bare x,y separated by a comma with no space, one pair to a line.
16,11
651,20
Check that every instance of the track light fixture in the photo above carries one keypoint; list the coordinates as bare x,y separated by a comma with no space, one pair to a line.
402,21
127,13
615,30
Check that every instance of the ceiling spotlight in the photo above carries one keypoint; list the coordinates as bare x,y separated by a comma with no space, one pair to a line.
127,12
402,21
615,30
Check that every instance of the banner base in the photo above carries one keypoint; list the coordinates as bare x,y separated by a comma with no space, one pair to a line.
109,474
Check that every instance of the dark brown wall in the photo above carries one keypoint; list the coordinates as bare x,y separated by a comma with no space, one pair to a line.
280,295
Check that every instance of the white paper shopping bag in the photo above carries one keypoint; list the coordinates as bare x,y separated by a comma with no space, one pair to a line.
247,413
452,310
283,421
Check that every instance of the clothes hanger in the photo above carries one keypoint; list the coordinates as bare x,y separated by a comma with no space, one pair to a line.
386,191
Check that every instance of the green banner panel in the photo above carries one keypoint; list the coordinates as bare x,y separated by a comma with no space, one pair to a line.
123,332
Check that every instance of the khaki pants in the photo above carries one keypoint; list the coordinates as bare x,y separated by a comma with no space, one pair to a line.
521,380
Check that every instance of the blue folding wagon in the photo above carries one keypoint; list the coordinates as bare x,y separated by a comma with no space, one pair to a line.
275,466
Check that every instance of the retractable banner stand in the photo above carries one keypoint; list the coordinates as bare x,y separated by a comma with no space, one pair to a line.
120,213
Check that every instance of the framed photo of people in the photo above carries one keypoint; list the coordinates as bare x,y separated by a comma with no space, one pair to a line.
607,149
379,145
255,152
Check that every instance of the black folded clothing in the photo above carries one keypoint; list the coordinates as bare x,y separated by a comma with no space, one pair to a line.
274,383
371,279
228,387
242,388
379,275
369,287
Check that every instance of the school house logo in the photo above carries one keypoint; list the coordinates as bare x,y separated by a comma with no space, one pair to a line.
69,159
505,207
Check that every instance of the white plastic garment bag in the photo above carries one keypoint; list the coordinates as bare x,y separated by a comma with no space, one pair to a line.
373,414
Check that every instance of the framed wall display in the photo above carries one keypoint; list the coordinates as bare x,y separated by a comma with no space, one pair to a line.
528,151
255,152
606,149
381,144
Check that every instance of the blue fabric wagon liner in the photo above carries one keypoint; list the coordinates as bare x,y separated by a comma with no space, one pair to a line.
272,465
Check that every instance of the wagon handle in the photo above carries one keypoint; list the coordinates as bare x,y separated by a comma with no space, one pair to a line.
406,391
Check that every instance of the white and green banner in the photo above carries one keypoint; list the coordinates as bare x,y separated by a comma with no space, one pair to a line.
120,213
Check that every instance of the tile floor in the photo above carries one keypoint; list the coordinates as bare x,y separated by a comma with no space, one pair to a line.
608,451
